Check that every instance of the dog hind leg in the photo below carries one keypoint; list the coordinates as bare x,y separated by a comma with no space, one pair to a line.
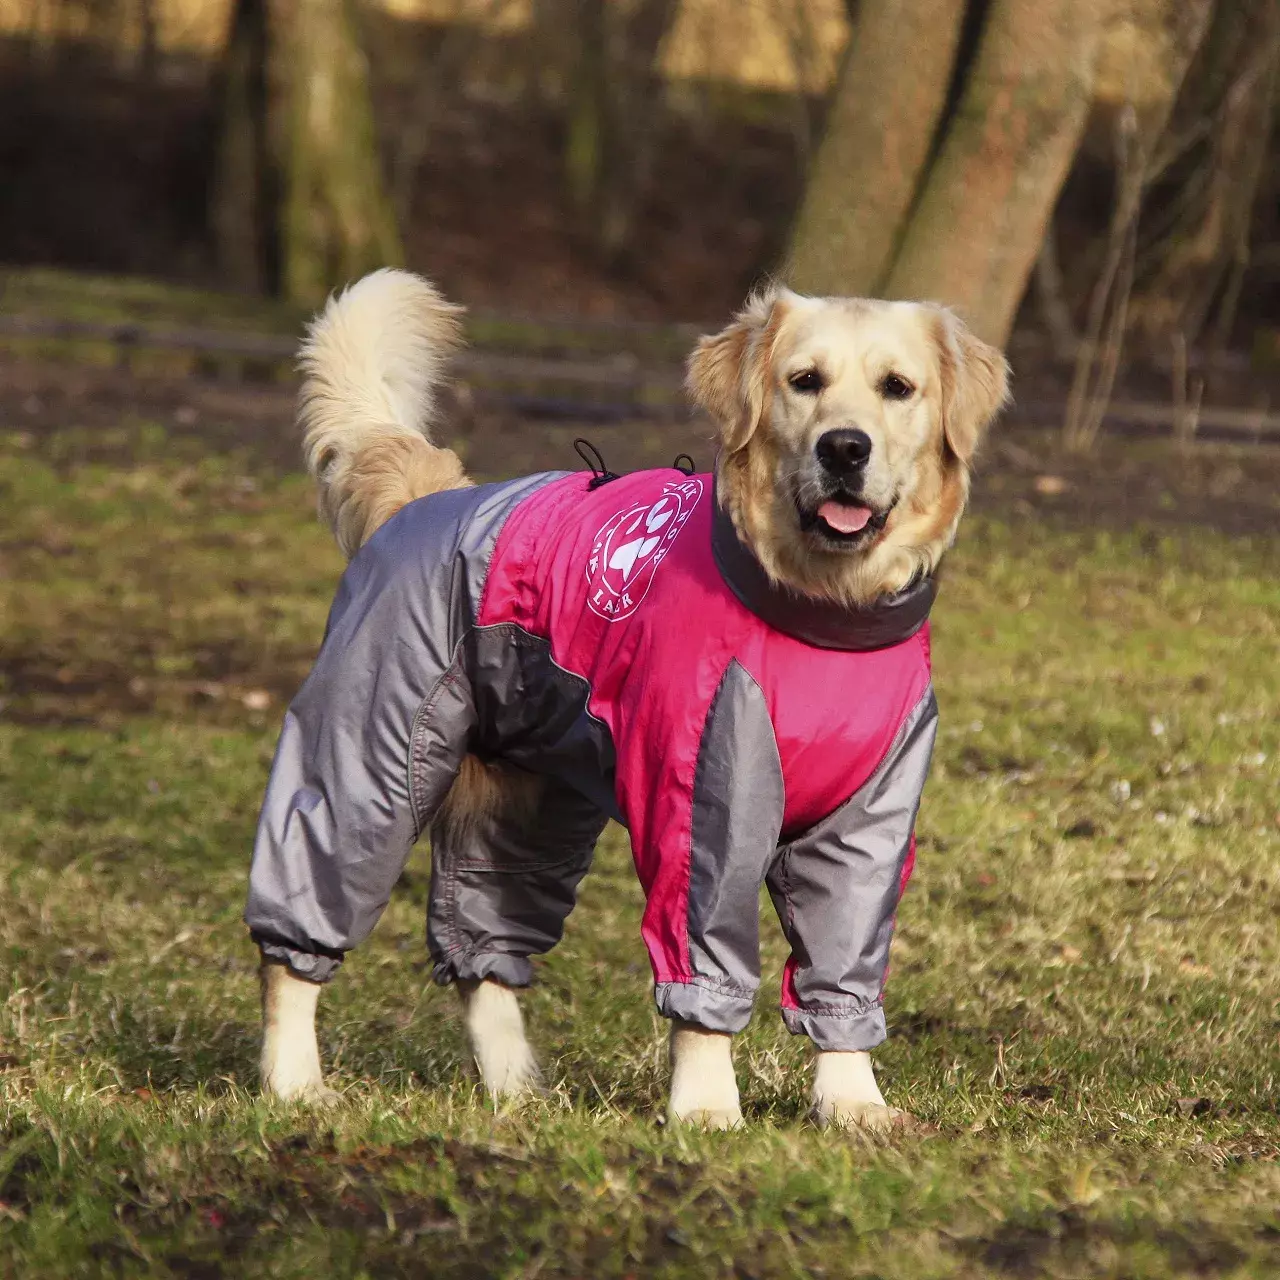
495,1028
290,1058
508,849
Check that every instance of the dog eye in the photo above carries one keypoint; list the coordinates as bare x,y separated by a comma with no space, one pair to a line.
893,387
808,382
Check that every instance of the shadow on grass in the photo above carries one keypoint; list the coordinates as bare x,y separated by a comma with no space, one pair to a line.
1070,1242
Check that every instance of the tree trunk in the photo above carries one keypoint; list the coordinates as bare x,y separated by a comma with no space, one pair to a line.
974,235
613,95
891,94
588,89
301,204
244,199
338,221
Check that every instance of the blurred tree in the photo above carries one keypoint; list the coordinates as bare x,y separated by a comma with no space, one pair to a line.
941,166
1207,173
882,121
300,202
611,110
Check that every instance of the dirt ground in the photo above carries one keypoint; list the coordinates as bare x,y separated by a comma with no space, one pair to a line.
79,413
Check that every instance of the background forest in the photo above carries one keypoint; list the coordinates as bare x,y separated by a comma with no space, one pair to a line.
1084,168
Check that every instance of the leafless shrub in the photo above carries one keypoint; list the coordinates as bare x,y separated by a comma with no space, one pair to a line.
1188,392
1098,355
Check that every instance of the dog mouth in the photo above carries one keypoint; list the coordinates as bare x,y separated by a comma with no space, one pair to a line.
845,521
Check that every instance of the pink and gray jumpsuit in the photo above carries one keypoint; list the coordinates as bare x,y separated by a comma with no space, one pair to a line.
620,640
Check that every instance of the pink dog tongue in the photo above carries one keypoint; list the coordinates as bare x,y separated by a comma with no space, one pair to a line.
844,519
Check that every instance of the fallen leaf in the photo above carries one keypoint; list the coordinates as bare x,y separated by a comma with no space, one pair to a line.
1037,1092
1050,486
1191,1107
256,699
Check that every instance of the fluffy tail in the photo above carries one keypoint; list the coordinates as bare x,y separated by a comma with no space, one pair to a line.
371,362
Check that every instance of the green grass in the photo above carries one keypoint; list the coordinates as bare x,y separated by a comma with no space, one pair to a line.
1084,1002
51,294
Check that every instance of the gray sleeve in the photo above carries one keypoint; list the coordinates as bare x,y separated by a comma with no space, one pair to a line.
368,749
836,891
736,819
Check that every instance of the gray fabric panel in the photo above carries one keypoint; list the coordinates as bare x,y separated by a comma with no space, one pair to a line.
373,739
705,1007
738,804
504,893
836,889
533,713
846,1033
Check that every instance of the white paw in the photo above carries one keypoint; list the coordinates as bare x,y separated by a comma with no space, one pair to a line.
876,1117
313,1092
509,1070
707,1117
846,1096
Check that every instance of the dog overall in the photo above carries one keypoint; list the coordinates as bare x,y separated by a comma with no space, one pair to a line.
620,640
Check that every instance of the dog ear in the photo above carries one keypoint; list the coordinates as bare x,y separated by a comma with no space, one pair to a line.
975,384
728,373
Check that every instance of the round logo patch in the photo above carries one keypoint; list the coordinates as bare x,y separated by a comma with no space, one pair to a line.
630,546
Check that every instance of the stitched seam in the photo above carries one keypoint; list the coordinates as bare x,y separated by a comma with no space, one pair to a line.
693,795
537,525
493,868
838,1011
450,676
686,949
559,673
708,984
908,721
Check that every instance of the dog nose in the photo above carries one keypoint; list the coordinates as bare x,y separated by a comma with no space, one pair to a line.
843,451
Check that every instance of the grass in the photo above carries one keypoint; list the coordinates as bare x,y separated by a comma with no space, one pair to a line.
52,294
1084,1003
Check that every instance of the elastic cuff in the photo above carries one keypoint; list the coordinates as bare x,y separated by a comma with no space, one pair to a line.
511,971
303,964
855,1031
706,1007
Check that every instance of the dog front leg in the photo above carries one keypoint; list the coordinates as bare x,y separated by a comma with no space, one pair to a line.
290,1061
704,1090
845,1093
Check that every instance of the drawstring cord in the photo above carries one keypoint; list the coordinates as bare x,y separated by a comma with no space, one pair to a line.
595,460
600,474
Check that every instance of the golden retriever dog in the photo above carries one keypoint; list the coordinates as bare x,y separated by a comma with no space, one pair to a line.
846,428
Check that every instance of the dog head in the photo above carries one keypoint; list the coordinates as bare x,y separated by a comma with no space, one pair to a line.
847,427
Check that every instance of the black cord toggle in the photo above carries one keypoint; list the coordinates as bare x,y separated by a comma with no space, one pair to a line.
686,470
595,460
